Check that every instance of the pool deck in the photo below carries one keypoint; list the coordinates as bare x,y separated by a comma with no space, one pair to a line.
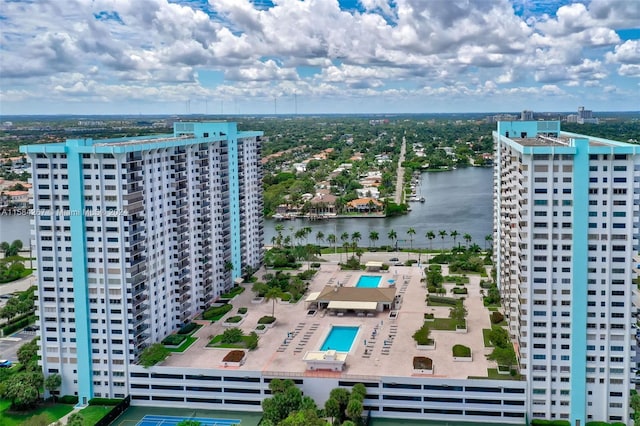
389,353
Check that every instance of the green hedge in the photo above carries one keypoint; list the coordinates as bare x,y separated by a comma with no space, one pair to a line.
540,422
18,325
267,319
68,399
174,339
234,320
443,300
233,292
104,401
605,424
461,351
457,290
243,310
188,328
215,313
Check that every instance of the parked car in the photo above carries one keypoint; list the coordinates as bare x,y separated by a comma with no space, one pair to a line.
394,259
5,363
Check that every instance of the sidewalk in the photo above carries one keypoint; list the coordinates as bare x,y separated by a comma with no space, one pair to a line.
19,285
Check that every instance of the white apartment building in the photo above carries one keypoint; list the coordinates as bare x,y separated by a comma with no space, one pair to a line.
134,237
566,217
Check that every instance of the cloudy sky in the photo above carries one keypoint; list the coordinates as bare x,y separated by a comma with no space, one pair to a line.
317,56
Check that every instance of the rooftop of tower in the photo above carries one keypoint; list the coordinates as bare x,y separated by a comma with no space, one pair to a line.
384,346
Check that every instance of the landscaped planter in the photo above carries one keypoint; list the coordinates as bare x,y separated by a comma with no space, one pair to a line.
422,365
234,358
232,324
426,347
462,358
261,330
257,300
503,369
267,324
461,329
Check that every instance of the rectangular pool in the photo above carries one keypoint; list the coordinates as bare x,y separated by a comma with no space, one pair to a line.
340,338
369,281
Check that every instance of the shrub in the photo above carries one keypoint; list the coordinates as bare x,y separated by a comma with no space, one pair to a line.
457,290
68,399
443,300
261,327
267,319
315,265
234,320
104,401
232,335
306,275
421,336
252,341
215,313
233,292
541,422
18,325
429,316
285,297
153,354
461,351
188,328
242,310
174,339
496,317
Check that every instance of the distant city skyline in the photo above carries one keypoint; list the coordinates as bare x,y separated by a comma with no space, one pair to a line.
231,57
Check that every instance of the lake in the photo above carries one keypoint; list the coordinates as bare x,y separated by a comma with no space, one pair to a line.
460,200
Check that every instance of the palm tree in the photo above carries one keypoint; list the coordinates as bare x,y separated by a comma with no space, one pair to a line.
393,236
454,234
299,235
373,237
279,228
306,231
487,239
442,235
467,238
331,239
319,237
344,237
411,232
11,249
355,238
430,236
272,294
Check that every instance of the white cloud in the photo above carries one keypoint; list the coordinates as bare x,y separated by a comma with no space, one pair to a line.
114,50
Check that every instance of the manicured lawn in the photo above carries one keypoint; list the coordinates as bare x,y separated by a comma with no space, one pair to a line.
443,324
492,373
485,336
93,413
54,412
183,347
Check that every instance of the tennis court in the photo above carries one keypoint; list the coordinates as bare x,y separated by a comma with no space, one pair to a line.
154,420
164,416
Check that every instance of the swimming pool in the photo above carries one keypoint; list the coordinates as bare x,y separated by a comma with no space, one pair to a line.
340,338
369,281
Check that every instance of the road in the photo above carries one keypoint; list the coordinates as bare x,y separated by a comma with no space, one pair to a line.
18,285
398,199
9,345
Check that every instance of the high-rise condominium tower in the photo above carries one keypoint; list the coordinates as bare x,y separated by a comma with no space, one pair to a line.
134,237
566,217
